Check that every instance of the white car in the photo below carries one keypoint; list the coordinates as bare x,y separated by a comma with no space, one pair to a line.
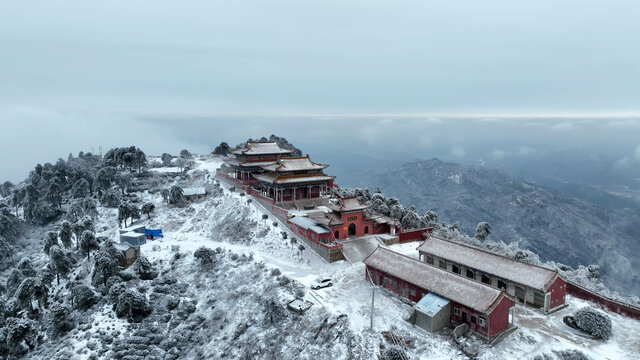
320,283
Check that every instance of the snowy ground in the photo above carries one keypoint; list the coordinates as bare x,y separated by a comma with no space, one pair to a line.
206,223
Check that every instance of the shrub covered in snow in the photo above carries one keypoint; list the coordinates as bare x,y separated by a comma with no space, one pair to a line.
132,305
205,255
61,319
144,269
394,353
83,297
571,355
594,322
21,336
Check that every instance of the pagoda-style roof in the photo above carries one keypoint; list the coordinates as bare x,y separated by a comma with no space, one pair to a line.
328,219
300,163
248,163
348,204
292,179
379,218
261,148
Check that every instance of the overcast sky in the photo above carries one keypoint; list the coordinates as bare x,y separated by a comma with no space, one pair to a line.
167,75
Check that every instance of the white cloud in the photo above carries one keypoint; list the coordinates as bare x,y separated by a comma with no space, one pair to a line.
526,150
499,154
564,126
458,151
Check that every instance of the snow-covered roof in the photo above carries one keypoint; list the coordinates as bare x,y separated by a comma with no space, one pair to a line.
292,179
348,204
294,164
248,163
456,288
307,223
261,148
431,304
194,191
536,277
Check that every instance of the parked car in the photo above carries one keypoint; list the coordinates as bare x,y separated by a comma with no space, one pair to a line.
320,283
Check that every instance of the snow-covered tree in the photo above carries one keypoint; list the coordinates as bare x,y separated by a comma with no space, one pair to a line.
62,320
108,260
205,255
430,218
482,231
185,154
22,336
166,195
411,220
144,268
25,292
59,261
594,322
82,297
166,159
50,239
88,242
80,189
148,208
66,234
222,149
176,194
132,305
394,353
26,267
6,252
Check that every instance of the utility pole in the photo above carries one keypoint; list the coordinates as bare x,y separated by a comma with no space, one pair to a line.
373,297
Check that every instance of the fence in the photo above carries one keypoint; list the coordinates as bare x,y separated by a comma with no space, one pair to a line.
613,305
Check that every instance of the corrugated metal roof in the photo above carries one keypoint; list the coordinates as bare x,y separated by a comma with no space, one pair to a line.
456,288
431,304
307,223
536,277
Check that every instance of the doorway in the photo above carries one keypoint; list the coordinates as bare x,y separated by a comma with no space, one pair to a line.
352,230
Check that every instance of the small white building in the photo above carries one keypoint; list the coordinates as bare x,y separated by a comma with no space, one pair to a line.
192,194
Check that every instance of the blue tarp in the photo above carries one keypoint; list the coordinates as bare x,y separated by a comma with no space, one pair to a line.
153,233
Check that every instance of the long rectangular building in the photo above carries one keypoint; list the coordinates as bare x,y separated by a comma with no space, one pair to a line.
485,309
531,284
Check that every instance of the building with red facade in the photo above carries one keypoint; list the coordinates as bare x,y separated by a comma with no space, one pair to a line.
486,310
531,284
249,159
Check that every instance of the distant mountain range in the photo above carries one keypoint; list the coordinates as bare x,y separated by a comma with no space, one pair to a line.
569,229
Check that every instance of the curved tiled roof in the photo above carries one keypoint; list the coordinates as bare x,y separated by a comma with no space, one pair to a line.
534,276
448,285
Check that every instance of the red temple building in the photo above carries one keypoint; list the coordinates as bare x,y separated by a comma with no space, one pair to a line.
248,160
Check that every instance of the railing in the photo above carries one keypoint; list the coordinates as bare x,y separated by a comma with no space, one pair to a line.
229,177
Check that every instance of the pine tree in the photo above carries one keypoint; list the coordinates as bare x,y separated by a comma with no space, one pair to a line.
66,233
59,261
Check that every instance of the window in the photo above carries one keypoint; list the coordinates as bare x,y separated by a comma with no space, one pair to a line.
455,269
456,311
386,280
502,284
486,279
442,264
352,218
473,319
412,292
429,259
481,321
469,274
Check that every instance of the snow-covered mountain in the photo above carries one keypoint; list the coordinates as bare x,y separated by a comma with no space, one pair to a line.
228,302
557,226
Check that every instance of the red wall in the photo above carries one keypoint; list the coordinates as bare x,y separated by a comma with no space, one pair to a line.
256,194
582,293
495,322
413,235
499,318
308,234
359,222
558,292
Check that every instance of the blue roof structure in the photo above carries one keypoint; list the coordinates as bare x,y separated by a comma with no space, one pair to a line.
431,304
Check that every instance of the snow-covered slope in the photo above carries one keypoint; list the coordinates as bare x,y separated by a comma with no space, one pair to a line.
235,307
